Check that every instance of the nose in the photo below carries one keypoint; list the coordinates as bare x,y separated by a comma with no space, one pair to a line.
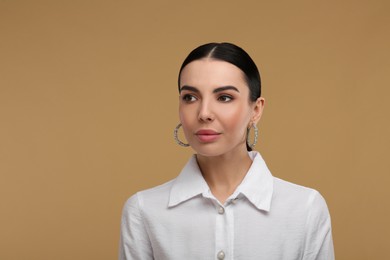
205,112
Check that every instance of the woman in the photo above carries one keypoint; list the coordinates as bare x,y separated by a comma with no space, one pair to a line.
225,204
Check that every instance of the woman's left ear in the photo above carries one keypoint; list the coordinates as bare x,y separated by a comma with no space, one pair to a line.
258,110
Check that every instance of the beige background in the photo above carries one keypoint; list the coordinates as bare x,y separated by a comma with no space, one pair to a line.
88,103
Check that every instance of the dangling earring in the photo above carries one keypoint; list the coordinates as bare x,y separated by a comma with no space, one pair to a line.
256,133
177,138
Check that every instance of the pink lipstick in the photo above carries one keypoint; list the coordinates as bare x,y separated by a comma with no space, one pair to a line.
207,135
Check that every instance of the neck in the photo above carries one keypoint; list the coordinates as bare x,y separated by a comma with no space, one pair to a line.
225,172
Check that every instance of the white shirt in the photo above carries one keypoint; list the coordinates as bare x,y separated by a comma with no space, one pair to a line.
265,218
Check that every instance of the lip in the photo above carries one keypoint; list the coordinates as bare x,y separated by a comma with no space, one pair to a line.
207,135
206,132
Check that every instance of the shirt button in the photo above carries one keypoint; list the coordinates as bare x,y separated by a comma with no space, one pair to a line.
221,210
234,201
220,255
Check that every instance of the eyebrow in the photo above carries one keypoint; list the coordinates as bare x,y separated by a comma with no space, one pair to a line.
193,89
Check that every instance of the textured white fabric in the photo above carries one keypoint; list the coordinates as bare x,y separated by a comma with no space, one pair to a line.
265,218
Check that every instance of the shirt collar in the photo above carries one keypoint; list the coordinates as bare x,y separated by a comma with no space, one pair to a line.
188,184
257,185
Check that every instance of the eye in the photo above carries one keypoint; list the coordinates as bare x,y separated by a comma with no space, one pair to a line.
188,98
225,98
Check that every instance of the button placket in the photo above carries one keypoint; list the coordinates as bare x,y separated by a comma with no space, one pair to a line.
221,232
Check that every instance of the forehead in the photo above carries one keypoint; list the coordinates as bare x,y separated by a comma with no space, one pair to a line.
212,73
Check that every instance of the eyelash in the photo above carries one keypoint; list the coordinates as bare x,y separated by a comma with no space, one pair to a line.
224,97
187,98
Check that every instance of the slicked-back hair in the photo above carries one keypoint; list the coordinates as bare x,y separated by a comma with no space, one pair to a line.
233,54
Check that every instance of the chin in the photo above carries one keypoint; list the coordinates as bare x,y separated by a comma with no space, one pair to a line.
208,150
212,150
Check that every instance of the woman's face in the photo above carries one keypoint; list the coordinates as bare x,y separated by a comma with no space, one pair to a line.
214,107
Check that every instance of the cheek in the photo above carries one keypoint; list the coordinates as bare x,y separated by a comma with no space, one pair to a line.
186,117
236,120
183,114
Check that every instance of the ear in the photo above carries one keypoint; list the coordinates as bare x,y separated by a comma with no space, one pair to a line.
258,110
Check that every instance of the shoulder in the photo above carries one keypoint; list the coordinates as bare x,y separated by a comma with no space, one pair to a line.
158,195
290,195
295,191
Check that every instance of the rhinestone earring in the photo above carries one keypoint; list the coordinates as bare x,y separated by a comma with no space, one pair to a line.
256,133
175,135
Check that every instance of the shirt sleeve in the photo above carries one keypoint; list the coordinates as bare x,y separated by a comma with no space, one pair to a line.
134,241
318,242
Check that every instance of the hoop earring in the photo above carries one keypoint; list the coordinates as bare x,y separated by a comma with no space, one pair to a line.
256,133
177,138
